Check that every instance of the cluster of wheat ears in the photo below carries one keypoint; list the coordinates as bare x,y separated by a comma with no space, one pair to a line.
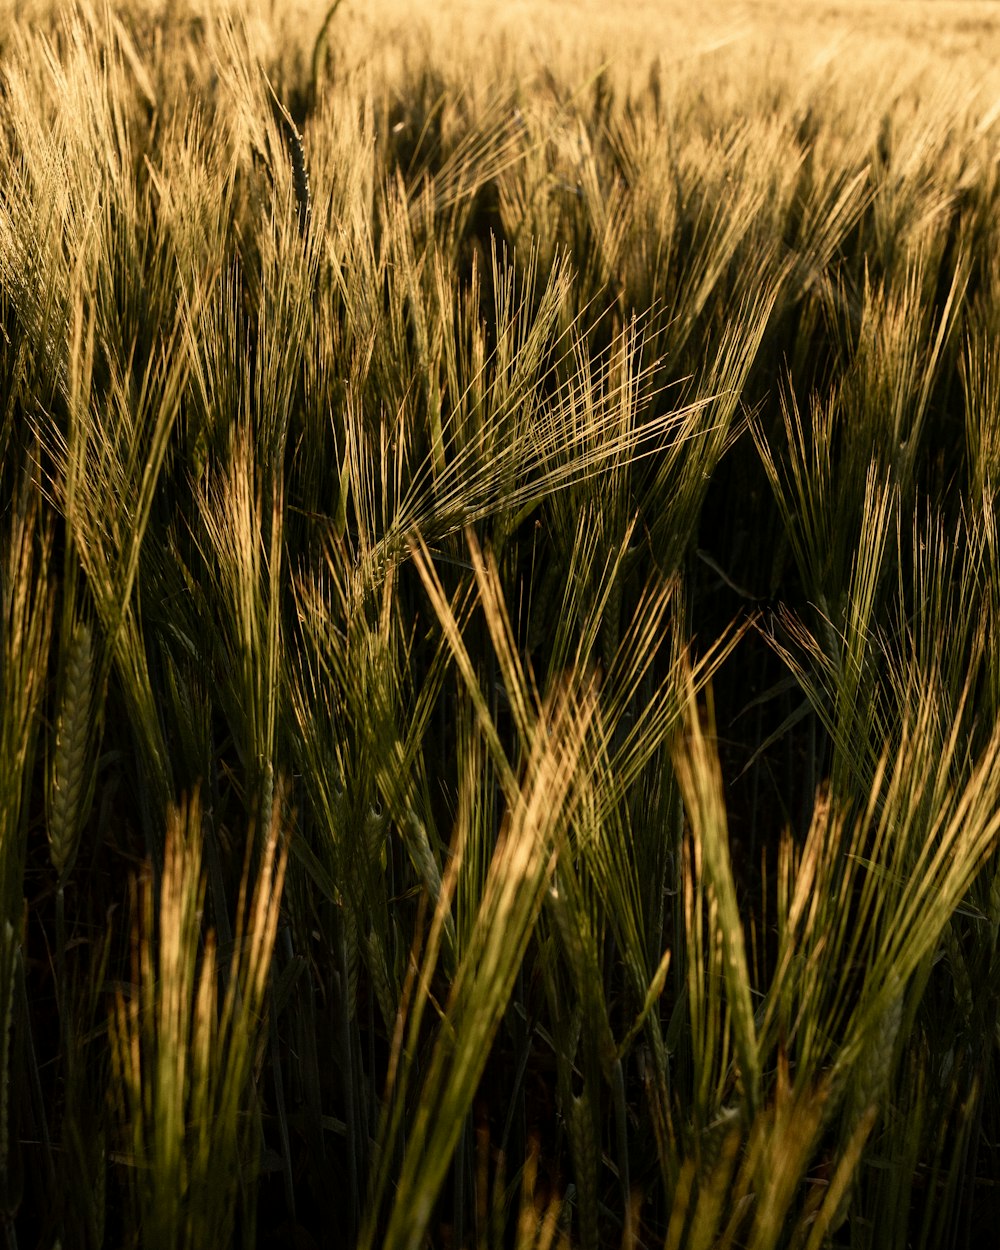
499,628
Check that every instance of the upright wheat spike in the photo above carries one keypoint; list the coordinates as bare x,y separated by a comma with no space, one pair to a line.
68,797
297,156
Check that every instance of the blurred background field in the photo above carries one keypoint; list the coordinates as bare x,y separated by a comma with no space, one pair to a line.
574,37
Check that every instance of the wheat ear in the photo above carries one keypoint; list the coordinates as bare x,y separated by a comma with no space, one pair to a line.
68,783
297,156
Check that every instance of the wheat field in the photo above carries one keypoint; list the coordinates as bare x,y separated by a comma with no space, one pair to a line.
499,625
